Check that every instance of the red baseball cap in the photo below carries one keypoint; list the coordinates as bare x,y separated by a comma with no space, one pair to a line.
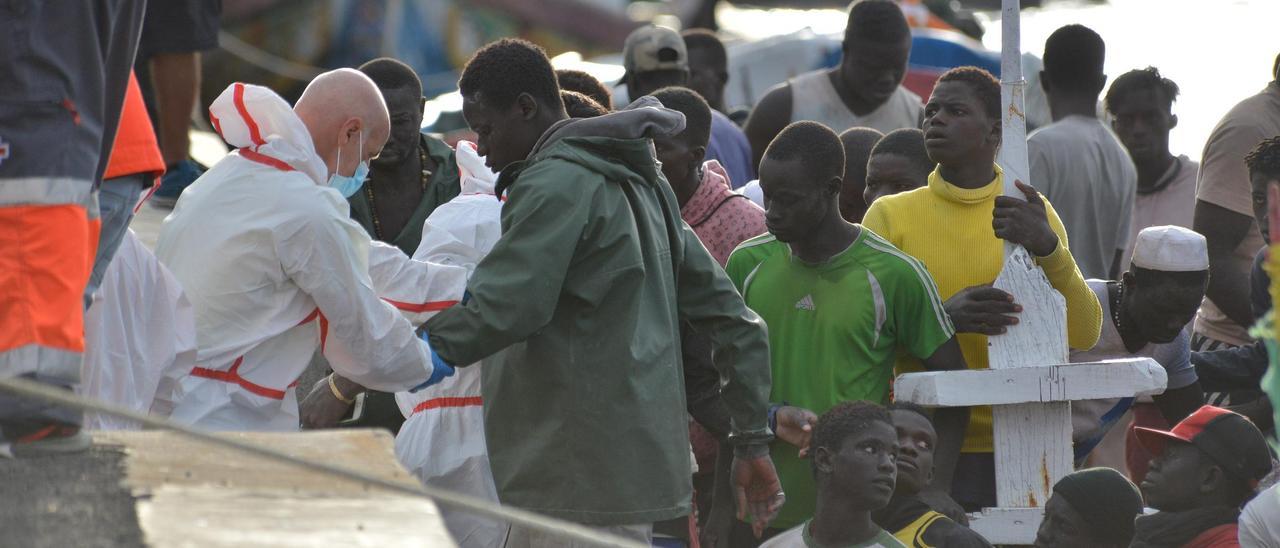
1230,439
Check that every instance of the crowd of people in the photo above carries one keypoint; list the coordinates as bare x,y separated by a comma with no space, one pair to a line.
641,316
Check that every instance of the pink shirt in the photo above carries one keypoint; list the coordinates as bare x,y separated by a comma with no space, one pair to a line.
721,218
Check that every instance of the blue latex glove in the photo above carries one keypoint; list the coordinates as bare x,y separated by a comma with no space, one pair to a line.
440,369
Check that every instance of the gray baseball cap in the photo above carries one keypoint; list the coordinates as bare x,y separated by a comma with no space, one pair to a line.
651,47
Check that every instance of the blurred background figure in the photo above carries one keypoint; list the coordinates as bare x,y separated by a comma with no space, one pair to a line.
174,34
60,104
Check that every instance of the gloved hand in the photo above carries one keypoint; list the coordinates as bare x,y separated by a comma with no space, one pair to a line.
439,368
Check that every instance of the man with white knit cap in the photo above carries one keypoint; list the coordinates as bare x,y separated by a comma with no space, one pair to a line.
1146,314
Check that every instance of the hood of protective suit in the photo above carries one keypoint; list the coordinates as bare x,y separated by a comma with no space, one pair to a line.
254,119
473,176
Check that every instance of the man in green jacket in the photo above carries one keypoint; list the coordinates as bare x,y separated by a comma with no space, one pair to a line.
585,412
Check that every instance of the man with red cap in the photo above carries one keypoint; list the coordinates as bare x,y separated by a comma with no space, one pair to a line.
1204,470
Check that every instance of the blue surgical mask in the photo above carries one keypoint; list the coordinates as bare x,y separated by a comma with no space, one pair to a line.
350,184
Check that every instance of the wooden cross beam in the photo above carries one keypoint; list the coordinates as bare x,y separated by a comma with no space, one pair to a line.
1030,384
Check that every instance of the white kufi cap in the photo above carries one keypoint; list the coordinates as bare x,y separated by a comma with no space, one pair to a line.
1170,249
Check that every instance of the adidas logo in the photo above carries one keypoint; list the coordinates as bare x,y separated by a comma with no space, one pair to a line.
805,304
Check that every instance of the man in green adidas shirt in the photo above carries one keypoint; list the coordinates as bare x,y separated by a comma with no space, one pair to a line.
840,303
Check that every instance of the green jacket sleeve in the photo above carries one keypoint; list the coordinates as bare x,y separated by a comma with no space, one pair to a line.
711,304
515,289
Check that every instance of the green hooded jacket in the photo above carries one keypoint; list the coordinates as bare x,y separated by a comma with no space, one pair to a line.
585,410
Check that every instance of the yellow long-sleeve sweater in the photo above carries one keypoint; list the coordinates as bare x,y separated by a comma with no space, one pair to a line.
948,228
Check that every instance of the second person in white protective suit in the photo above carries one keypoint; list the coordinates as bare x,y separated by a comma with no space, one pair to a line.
274,267
442,440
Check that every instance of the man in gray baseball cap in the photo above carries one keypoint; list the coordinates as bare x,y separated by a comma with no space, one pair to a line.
656,57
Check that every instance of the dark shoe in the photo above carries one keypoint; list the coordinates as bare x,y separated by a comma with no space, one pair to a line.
175,180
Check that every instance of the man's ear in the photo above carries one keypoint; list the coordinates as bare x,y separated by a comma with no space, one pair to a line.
351,129
1129,279
1173,121
527,105
834,185
696,157
997,131
1212,479
822,460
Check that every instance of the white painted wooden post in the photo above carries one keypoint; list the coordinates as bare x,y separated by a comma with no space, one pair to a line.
1031,382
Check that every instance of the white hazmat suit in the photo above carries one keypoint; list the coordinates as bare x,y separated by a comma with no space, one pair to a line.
139,338
442,440
275,268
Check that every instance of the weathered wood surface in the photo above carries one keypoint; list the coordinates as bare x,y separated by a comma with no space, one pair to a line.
1032,441
1006,526
1056,383
195,494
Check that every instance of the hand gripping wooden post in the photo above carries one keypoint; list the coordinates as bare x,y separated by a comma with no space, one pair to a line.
1030,383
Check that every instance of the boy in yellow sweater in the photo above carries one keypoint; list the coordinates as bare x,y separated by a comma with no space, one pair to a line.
955,226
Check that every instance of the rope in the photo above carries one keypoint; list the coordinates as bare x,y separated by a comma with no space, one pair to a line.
564,529
302,72
265,60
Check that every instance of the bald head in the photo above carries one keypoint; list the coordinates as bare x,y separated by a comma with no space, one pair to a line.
347,118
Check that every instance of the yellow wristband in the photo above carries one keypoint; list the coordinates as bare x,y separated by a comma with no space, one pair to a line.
338,394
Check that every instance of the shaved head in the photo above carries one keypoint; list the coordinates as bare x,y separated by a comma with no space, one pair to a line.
347,118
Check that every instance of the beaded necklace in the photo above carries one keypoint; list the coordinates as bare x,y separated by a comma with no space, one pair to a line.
368,192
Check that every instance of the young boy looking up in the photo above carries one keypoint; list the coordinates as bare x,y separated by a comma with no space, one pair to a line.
853,452
957,226
908,516
1205,469
898,163
840,302
858,143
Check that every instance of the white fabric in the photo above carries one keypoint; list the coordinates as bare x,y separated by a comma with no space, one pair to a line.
275,268
140,337
1084,171
1175,204
1260,521
1170,249
752,190
444,446
1087,416
814,98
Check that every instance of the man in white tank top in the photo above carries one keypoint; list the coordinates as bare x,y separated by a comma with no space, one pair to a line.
864,90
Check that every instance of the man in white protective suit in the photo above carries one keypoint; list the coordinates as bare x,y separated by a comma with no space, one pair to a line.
275,268
442,440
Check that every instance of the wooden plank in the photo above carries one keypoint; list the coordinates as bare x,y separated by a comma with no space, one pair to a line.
196,494
1003,526
1033,440
1040,337
1032,451
1067,382
234,518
